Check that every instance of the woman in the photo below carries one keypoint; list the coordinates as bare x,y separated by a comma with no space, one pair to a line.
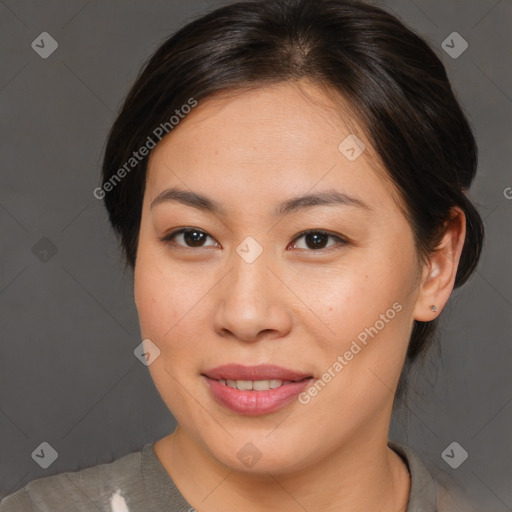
288,182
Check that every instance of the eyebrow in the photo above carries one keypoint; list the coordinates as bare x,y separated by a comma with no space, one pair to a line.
329,197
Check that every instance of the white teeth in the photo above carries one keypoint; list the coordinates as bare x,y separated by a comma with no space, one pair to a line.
261,385
256,385
244,385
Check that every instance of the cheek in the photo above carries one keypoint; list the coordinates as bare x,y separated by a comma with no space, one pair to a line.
164,299
347,297
172,307
163,295
362,310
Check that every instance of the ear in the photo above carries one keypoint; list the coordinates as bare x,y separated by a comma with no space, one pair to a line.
438,276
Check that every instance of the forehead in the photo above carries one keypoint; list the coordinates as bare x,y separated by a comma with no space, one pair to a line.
275,140
277,116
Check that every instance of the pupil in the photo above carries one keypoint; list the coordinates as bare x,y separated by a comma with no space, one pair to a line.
318,240
193,238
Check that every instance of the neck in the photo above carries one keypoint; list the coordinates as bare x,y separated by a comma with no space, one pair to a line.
367,475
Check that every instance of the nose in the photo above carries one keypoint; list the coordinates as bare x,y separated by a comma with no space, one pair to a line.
250,303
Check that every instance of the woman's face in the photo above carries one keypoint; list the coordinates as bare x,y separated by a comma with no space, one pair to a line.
245,286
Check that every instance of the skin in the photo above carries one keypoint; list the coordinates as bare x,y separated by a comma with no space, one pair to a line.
294,306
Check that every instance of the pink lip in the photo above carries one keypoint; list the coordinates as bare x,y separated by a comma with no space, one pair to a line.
258,372
255,402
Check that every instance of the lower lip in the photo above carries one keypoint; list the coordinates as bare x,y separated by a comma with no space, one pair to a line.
256,402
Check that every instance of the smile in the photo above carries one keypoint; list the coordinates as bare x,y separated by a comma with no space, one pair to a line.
256,385
254,390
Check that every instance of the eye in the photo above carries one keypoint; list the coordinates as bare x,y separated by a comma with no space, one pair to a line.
316,240
188,237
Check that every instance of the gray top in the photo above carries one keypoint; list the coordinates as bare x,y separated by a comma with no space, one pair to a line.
138,482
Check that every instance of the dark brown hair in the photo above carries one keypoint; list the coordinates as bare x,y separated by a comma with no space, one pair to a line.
389,76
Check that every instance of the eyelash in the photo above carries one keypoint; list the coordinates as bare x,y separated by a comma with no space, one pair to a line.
169,238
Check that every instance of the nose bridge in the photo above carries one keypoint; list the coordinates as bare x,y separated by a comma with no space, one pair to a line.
247,303
250,276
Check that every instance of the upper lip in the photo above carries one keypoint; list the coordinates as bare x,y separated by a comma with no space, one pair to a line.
258,372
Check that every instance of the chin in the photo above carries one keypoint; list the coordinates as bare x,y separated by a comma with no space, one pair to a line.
259,456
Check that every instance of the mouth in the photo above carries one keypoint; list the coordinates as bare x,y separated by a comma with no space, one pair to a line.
259,373
255,390
255,385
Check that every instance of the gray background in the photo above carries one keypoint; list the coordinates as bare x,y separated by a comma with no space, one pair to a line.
68,375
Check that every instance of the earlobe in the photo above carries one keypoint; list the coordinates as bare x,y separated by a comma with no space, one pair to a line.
439,276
